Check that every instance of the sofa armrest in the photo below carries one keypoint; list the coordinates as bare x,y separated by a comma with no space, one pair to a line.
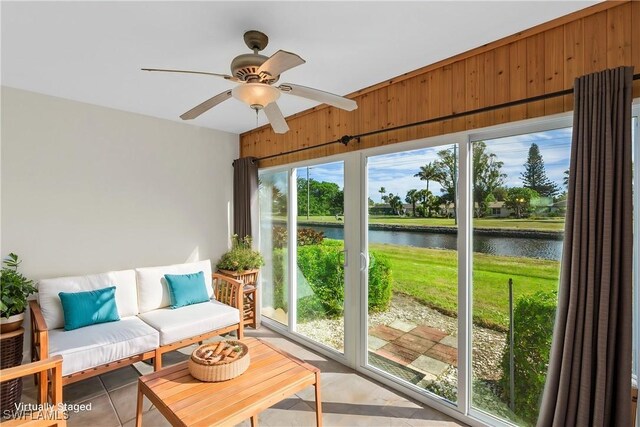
31,368
39,333
228,290
38,322
41,370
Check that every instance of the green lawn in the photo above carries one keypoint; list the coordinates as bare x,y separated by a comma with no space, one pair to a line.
430,276
549,224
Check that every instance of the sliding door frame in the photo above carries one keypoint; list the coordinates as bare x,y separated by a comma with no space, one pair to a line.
356,243
559,121
351,207
438,402
635,112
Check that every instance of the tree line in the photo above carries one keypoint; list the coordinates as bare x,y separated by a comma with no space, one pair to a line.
322,198
488,184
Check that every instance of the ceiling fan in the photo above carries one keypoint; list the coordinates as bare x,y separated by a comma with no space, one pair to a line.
256,75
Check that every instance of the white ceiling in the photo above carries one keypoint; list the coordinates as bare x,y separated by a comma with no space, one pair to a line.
92,51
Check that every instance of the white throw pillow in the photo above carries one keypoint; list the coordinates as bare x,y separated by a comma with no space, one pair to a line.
124,281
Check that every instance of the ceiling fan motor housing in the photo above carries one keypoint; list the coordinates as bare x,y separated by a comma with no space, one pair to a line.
245,67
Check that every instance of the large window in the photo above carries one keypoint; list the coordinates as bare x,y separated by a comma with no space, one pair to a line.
319,254
412,328
432,266
274,202
516,264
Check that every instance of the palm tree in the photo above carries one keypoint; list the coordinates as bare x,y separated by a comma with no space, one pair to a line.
428,172
382,192
395,203
412,197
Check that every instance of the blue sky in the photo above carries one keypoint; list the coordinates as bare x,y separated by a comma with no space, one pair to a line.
395,171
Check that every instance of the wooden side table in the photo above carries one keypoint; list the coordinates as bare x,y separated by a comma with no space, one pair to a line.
249,306
250,279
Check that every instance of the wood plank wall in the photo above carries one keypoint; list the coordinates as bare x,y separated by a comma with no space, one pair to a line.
543,59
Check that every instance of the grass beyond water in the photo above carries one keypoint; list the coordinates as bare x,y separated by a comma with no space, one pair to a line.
431,276
546,224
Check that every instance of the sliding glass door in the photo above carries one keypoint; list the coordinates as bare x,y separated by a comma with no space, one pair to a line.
320,254
446,283
519,194
274,276
302,234
412,292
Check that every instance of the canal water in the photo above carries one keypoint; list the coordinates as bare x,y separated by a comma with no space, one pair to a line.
494,245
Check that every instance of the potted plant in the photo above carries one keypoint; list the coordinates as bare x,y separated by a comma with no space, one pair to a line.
241,262
14,291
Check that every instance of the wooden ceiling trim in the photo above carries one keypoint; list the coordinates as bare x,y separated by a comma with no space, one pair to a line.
544,62
461,56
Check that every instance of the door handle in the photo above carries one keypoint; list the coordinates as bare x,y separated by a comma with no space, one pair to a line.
364,261
345,263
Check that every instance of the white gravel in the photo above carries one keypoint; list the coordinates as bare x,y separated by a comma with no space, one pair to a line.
488,345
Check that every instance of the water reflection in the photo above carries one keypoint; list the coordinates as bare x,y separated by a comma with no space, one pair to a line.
494,245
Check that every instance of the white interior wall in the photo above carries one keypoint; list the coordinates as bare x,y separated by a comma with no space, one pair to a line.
87,189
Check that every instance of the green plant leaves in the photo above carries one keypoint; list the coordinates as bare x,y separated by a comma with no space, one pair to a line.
533,330
241,257
14,287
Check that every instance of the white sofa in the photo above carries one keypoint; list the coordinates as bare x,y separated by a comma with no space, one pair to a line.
147,327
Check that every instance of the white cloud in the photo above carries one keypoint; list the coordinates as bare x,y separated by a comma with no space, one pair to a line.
395,171
555,148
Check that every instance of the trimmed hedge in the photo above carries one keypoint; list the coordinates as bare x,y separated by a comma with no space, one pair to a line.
533,330
380,282
306,236
280,275
320,266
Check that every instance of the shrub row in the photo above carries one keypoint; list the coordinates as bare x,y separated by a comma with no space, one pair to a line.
306,236
321,267
532,332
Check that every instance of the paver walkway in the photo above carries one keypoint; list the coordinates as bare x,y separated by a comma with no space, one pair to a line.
422,348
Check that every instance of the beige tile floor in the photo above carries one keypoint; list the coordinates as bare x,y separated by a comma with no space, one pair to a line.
349,399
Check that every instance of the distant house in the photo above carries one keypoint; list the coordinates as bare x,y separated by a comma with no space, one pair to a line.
447,210
498,210
408,209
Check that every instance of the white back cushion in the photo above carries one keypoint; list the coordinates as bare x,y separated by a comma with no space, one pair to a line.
152,287
124,281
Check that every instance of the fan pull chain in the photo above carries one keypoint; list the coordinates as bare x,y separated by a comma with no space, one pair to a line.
256,117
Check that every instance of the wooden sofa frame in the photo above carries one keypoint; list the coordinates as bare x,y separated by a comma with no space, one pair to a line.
53,417
226,290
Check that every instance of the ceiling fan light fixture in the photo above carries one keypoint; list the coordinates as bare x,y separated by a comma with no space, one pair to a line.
255,95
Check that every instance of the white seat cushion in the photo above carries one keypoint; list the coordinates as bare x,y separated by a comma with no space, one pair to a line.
186,322
49,301
152,287
96,345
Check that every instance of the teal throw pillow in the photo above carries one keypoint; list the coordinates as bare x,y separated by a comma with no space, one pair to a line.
89,307
186,289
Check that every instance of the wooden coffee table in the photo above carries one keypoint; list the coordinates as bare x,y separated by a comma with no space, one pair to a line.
273,375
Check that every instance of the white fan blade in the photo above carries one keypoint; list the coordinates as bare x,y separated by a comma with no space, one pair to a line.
320,96
276,118
280,62
206,105
224,76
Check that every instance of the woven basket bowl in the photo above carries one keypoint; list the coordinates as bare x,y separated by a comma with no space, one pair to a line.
219,371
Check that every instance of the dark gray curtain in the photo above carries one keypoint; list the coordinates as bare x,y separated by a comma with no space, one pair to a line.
245,194
589,378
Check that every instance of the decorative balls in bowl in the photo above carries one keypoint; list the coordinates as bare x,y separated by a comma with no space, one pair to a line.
219,361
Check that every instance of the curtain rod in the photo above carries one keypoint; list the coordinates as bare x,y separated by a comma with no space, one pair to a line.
345,139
